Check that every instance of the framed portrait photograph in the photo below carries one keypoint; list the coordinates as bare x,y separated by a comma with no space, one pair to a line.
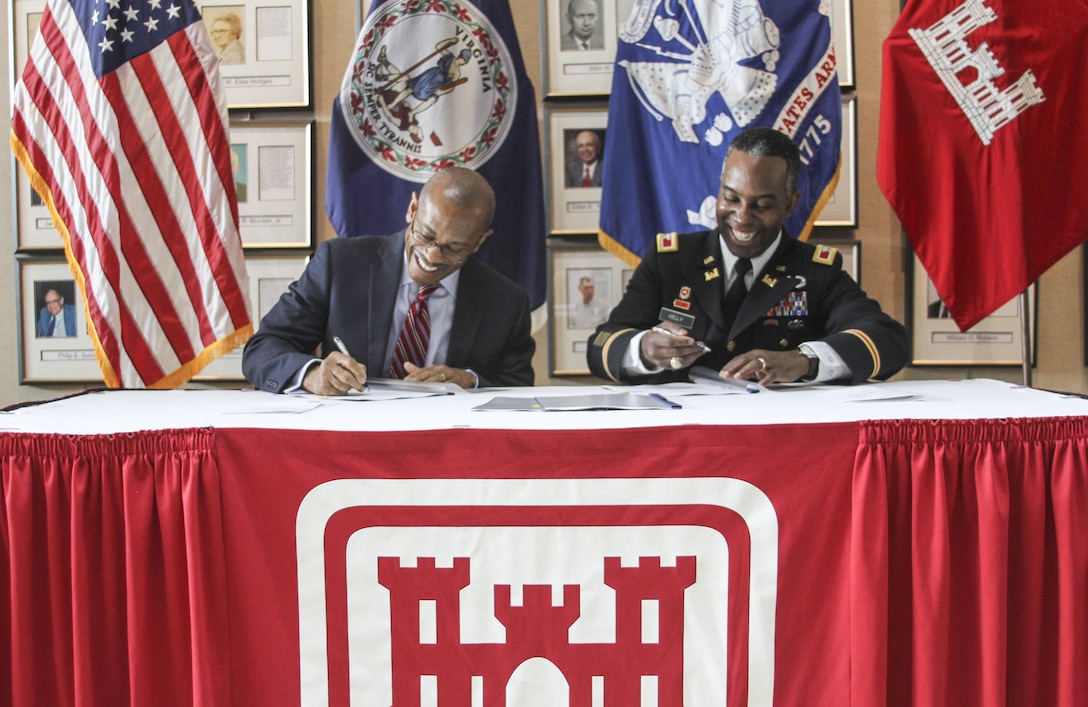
995,341
842,209
263,50
33,225
269,277
34,230
586,283
54,343
579,40
273,177
573,152
842,34
25,17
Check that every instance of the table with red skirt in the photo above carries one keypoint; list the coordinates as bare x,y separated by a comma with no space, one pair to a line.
912,543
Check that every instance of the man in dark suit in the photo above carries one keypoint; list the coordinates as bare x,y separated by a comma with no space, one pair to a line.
801,318
360,290
585,171
582,15
56,318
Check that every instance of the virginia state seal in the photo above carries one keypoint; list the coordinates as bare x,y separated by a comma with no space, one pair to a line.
431,85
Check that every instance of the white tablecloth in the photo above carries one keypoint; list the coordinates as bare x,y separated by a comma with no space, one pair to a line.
130,410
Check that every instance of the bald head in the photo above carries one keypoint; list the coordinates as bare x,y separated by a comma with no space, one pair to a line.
447,223
463,190
588,146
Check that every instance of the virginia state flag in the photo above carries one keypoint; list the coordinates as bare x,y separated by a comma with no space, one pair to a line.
983,142
431,85
688,78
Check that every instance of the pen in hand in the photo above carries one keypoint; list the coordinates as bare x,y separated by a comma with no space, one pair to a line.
663,330
344,350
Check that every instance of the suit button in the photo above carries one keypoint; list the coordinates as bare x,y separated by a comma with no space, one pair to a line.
730,346
784,343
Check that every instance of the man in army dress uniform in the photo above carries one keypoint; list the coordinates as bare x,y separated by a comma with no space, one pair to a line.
802,317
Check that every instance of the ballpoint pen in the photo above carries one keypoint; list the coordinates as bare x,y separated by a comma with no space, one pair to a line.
663,330
344,350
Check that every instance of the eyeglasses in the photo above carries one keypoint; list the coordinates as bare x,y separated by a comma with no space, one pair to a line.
428,242
52,301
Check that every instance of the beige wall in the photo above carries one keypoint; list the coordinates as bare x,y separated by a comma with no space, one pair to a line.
884,251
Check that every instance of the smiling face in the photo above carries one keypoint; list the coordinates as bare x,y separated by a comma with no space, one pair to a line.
53,302
587,144
753,202
444,229
222,33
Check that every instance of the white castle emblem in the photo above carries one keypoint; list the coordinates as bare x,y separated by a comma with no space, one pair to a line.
945,48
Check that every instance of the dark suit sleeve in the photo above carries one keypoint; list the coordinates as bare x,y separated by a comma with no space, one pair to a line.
638,310
291,331
873,344
571,171
492,332
514,363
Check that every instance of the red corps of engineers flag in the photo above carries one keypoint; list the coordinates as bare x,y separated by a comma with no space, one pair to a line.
120,121
983,142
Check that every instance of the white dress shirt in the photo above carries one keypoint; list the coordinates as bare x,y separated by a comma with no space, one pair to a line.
440,306
58,324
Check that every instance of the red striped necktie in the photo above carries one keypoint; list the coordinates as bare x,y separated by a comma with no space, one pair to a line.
414,335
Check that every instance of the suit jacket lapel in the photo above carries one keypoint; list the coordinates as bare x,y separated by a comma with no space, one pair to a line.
768,289
466,323
707,278
384,281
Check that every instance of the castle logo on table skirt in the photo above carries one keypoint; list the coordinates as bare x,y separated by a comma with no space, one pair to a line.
536,591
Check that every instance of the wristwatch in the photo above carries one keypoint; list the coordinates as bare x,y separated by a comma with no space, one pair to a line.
813,362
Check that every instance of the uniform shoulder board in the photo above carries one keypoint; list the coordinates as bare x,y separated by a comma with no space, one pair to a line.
825,254
668,242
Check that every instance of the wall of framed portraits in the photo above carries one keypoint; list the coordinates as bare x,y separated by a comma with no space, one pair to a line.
293,55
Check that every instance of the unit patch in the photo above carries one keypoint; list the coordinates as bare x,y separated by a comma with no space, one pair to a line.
825,254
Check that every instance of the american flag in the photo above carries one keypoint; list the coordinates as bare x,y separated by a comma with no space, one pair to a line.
120,121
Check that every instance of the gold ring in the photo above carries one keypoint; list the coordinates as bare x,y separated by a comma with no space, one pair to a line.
675,363
762,364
